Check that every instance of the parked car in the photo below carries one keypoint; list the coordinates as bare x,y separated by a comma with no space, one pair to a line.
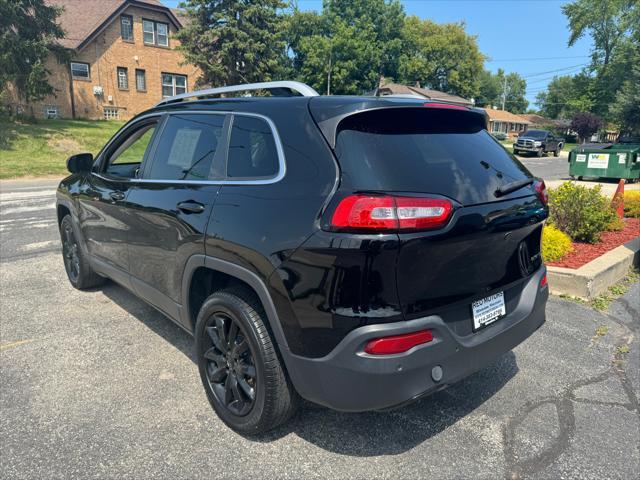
538,142
359,252
500,136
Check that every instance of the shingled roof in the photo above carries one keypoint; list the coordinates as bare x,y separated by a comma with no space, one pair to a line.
388,88
504,116
83,19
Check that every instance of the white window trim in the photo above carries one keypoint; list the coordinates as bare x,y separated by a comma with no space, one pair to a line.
83,64
173,83
152,31
122,73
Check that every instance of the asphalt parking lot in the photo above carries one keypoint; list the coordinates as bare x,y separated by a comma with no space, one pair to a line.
99,385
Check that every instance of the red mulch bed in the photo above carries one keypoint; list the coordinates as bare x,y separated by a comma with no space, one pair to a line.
583,253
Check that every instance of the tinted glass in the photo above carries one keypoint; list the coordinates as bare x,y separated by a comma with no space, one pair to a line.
444,152
534,134
187,147
252,149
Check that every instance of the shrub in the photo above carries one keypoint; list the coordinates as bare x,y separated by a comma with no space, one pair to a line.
555,244
632,204
580,212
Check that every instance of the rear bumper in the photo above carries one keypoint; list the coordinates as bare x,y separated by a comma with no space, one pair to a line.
348,379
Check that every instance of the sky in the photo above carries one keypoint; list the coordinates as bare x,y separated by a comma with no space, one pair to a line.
523,36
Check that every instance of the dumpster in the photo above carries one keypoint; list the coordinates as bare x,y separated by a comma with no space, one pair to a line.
612,160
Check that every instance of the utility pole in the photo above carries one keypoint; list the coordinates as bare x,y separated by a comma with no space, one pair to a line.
504,92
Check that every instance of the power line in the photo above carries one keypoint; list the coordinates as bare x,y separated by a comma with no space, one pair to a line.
556,70
532,59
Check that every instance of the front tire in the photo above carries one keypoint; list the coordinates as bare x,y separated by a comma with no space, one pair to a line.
540,153
77,266
239,366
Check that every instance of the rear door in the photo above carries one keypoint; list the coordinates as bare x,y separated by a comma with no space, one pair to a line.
171,204
446,153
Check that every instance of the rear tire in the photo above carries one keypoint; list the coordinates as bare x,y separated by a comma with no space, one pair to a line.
79,271
240,369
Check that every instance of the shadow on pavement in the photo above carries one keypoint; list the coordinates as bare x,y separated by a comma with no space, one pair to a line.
353,434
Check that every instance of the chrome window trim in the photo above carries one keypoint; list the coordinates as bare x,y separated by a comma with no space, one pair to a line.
282,165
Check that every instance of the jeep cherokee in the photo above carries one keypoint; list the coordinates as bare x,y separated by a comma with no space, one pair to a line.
358,252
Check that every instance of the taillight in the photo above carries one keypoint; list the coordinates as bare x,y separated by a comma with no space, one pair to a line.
385,212
541,190
397,343
543,281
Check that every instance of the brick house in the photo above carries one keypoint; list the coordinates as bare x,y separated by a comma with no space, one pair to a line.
501,121
124,60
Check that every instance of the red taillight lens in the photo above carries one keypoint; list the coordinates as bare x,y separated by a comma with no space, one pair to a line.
541,190
391,213
397,343
543,281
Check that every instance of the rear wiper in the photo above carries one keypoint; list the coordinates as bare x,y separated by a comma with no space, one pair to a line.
513,186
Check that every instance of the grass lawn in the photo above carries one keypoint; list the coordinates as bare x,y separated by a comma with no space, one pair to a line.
42,147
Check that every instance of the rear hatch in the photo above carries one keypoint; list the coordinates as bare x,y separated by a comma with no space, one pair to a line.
488,243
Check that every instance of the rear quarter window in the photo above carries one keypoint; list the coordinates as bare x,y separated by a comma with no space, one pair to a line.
252,149
436,151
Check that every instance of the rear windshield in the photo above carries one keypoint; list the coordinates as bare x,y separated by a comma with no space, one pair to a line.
444,152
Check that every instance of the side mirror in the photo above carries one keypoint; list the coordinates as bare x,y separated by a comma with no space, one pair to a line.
80,163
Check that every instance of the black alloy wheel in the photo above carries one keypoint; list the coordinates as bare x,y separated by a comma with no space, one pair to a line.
230,364
70,252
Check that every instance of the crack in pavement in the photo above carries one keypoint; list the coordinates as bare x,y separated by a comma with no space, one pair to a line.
516,468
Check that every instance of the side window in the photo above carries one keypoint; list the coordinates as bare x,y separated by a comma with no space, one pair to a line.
252,149
126,159
187,147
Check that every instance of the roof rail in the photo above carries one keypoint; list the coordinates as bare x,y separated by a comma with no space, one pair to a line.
298,87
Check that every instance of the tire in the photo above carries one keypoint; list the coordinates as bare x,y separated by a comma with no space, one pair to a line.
243,376
540,153
555,153
79,271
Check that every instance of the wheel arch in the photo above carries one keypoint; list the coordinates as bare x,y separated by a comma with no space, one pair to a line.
201,269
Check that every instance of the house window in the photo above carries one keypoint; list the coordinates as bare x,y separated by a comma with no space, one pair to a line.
155,33
80,70
173,84
110,113
123,78
51,111
141,80
126,28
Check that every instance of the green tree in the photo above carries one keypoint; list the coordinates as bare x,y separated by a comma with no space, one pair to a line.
348,46
613,26
494,88
443,57
626,107
567,95
606,21
29,34
234,41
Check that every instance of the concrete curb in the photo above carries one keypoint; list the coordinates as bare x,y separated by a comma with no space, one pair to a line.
598,275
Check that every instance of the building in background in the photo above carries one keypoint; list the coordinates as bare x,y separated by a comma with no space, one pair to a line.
406,91
501,121
124,60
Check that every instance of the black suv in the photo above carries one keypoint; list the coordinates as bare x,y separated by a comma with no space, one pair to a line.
538,142
359,252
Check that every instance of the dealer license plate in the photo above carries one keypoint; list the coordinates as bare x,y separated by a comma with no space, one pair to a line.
488,310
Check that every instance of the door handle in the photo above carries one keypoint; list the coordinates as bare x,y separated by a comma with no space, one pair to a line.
190,207
116,196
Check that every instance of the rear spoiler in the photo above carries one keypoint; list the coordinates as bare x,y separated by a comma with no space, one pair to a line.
328,117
